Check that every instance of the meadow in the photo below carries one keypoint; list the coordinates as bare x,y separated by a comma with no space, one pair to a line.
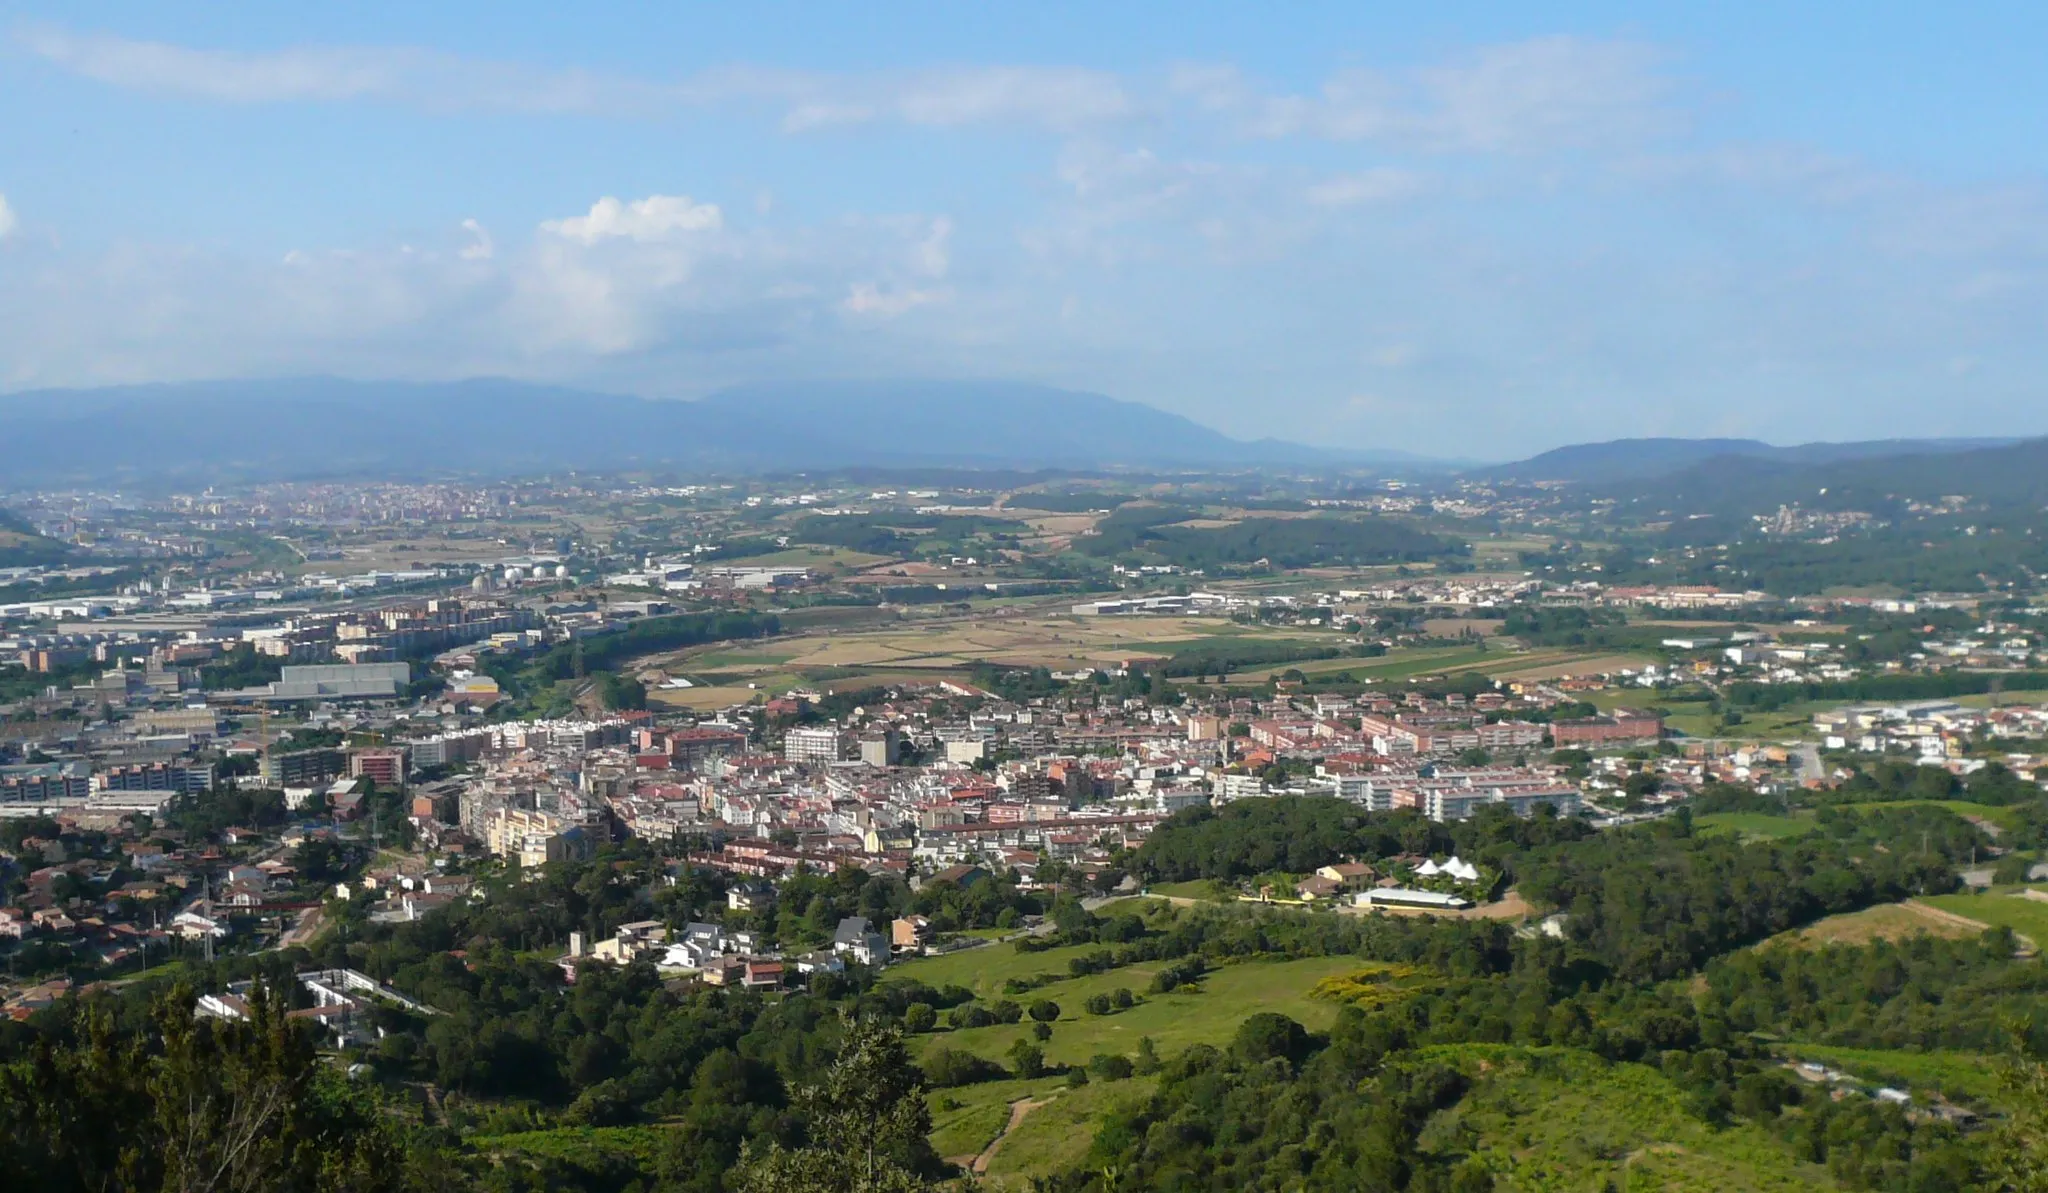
1207,1014
2002,907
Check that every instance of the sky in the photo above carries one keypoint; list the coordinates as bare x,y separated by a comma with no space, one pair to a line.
1463,229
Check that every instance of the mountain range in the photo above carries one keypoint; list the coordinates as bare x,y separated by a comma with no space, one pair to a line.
252,430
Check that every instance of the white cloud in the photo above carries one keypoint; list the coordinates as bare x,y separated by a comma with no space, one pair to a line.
8,222
1367,186
654,218
480,247
1051,97
1543,94
866,298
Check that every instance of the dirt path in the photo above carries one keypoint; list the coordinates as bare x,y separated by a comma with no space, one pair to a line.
1018,1110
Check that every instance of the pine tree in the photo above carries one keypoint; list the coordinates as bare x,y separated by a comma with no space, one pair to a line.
865,1124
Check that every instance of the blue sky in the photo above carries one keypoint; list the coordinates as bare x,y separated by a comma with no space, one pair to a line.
1476,230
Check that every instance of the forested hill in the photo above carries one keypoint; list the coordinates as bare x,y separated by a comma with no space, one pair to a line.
1640,459
21,546
2010,476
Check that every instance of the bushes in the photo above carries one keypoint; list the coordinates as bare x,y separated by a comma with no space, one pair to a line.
1181,973
919,1017
948,1067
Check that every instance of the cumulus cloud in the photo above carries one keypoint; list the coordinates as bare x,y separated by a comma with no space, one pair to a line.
8,222
654,218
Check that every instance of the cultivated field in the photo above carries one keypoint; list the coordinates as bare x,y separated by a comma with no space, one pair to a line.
1005,637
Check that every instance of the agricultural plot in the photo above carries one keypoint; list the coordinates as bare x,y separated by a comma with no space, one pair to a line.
1015,639
1965,1075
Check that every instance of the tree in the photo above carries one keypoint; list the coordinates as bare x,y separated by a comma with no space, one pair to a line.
864,1125
1028,1059
201,1104
919,1017
2013,869
2017,1155
1044,1010
1098,1004
1268,1035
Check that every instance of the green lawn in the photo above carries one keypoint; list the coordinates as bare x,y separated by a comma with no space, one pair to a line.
984,970
2000,907
1965,1075
1562,1120
1210,1015
1753,825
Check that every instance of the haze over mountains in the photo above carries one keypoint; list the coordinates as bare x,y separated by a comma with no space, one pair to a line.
330,427
327,427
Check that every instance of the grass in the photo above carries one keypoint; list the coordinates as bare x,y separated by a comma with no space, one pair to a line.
2000,907
965,1119
1753,825
1057,1136
1209,1015
1557,1119
1886,921
1969,1076
1207,889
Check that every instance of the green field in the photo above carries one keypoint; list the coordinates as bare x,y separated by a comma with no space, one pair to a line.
966,1118
1965,1075
2002,908
1558,1119
1056,1136
1210,1015
1201,888
1753,825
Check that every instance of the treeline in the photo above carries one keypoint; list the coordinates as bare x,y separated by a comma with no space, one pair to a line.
1282,542
1299,834
897,532
1077,502
1918,685
1221,656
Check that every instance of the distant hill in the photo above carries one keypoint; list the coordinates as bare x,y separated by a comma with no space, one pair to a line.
21,546
327,427
1630,459
2012,475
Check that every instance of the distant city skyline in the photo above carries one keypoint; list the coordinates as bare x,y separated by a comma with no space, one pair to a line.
1470,232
